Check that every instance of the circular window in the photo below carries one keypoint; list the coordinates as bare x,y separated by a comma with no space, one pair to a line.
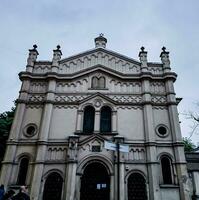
30,130
162,130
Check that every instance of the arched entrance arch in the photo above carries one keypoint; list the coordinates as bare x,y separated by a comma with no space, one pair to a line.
53,187
136,187
95,182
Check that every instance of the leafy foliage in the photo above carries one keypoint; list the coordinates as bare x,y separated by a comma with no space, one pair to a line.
188,144
6,119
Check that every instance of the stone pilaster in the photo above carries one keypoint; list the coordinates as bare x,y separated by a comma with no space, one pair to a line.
14,135
181,168
79,122
151,152
42,143
71,168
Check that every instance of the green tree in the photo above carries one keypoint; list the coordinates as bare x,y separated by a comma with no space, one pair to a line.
188,144
6,119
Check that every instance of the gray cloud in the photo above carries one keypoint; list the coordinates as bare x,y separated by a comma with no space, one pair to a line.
127,25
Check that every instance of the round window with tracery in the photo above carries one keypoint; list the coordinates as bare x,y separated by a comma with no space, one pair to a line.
30,130
162,130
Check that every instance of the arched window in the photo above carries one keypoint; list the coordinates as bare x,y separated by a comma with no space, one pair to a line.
23,169
53,187
94,82
137,187
105,120
166,170
101,82
98,83
89,119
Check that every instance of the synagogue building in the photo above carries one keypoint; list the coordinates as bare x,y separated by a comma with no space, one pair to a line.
97,126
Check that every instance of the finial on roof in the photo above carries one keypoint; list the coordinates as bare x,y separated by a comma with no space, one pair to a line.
163,49
58,47
142,49
35,46
100,41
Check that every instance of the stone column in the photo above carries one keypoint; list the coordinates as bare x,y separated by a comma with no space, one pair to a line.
42,142
97,121
114,122
71,168
151,153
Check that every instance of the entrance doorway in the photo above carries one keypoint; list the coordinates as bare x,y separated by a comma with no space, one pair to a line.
137,187
95,183
53,187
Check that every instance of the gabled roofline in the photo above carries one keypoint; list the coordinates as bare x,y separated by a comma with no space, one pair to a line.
113,53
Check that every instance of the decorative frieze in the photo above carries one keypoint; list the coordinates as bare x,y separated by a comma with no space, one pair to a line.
155,69
126,98
136,153
158,99
69,98
74,86
125,87
40,69
157,87
36,97
38,87
56,153
98,58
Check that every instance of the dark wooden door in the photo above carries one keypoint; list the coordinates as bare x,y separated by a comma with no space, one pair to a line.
95,183
53,187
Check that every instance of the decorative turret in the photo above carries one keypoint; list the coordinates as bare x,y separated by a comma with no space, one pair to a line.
143,59
165,59
56,58
100,41
33,53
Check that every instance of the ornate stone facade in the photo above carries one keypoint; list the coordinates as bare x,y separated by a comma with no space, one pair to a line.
132,102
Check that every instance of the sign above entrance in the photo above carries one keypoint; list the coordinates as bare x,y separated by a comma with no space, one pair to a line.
110,146
113,147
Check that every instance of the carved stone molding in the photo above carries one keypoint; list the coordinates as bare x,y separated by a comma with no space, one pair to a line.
65,106
32,106
38,87
126,98
157,87
130,107
136,153
69,98
159,99
36,97
56,153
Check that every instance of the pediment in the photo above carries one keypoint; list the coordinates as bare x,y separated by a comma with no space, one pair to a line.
98,100
94,139
99,56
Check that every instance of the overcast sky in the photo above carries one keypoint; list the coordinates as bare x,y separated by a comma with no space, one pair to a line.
127,24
